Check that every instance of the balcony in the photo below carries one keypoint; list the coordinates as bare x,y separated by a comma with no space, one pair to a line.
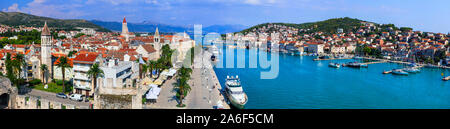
83,87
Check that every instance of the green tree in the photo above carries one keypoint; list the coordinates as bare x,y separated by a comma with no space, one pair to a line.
19,63
44,69
79,35
152,65
9,68
95,72
145,68
166,56
181,86
63,64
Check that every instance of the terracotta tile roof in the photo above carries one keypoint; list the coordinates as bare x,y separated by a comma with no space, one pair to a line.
19,45
86,58
28,51
149,48
45,30
58,54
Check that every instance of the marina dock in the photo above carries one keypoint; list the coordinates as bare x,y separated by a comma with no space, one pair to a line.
375,62
317,59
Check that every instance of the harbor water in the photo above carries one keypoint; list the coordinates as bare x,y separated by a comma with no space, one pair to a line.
306,84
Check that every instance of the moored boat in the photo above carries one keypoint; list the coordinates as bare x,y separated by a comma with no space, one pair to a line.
399,72
356,65
446,78
235,93
334,65
411,70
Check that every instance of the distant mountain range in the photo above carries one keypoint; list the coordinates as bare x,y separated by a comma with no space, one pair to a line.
148,26
18,18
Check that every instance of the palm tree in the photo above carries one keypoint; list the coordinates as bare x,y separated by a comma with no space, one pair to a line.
19,62
145,69
159,65
10,67
44,69
63,64
95,72
152,65
185,73
182,88
166,55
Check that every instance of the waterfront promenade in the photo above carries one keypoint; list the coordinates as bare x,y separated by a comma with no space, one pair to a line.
205,89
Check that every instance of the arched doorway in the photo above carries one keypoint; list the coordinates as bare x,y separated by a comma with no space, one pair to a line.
4,101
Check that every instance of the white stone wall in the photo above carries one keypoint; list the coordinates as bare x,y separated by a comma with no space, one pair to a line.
31,102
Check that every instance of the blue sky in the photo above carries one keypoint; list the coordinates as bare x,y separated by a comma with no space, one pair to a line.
424,15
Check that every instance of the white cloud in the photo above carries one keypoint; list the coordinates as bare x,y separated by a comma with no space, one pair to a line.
151,1
253,2
45,8
12,8
117,2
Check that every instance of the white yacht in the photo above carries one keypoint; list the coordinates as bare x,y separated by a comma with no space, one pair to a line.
215,50
235,93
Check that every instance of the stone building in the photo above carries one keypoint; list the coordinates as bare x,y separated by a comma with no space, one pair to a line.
128,95
46,46
7,94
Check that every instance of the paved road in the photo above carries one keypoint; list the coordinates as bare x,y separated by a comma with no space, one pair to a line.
203,94
205,91
166,98
52,97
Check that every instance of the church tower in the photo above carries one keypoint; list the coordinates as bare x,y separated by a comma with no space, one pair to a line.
157,41
46,46
125,29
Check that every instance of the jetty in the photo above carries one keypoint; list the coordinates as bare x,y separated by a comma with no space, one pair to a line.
415,67
318,59
375,62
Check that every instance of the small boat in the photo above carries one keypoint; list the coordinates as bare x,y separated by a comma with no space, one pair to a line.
399,72
363,65
356,65
358,57
446,78
334,65
387,72
411,70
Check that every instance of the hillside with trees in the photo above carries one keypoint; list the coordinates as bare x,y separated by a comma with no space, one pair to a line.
328,26
22,19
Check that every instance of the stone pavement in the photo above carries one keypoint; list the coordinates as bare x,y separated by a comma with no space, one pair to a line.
205,89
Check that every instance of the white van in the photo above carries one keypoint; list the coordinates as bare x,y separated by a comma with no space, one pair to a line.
76,97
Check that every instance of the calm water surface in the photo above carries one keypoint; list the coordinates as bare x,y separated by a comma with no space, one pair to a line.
304,84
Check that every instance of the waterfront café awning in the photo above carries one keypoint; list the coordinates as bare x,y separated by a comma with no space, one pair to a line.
158,82
172,72
146,81
153,93
165,72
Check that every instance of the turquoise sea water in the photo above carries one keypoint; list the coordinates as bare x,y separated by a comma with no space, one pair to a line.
306,84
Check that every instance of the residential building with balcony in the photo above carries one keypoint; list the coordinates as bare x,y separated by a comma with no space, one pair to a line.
82,83
115,71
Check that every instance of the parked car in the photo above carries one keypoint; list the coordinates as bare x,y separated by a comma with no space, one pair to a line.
61,95
76,97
